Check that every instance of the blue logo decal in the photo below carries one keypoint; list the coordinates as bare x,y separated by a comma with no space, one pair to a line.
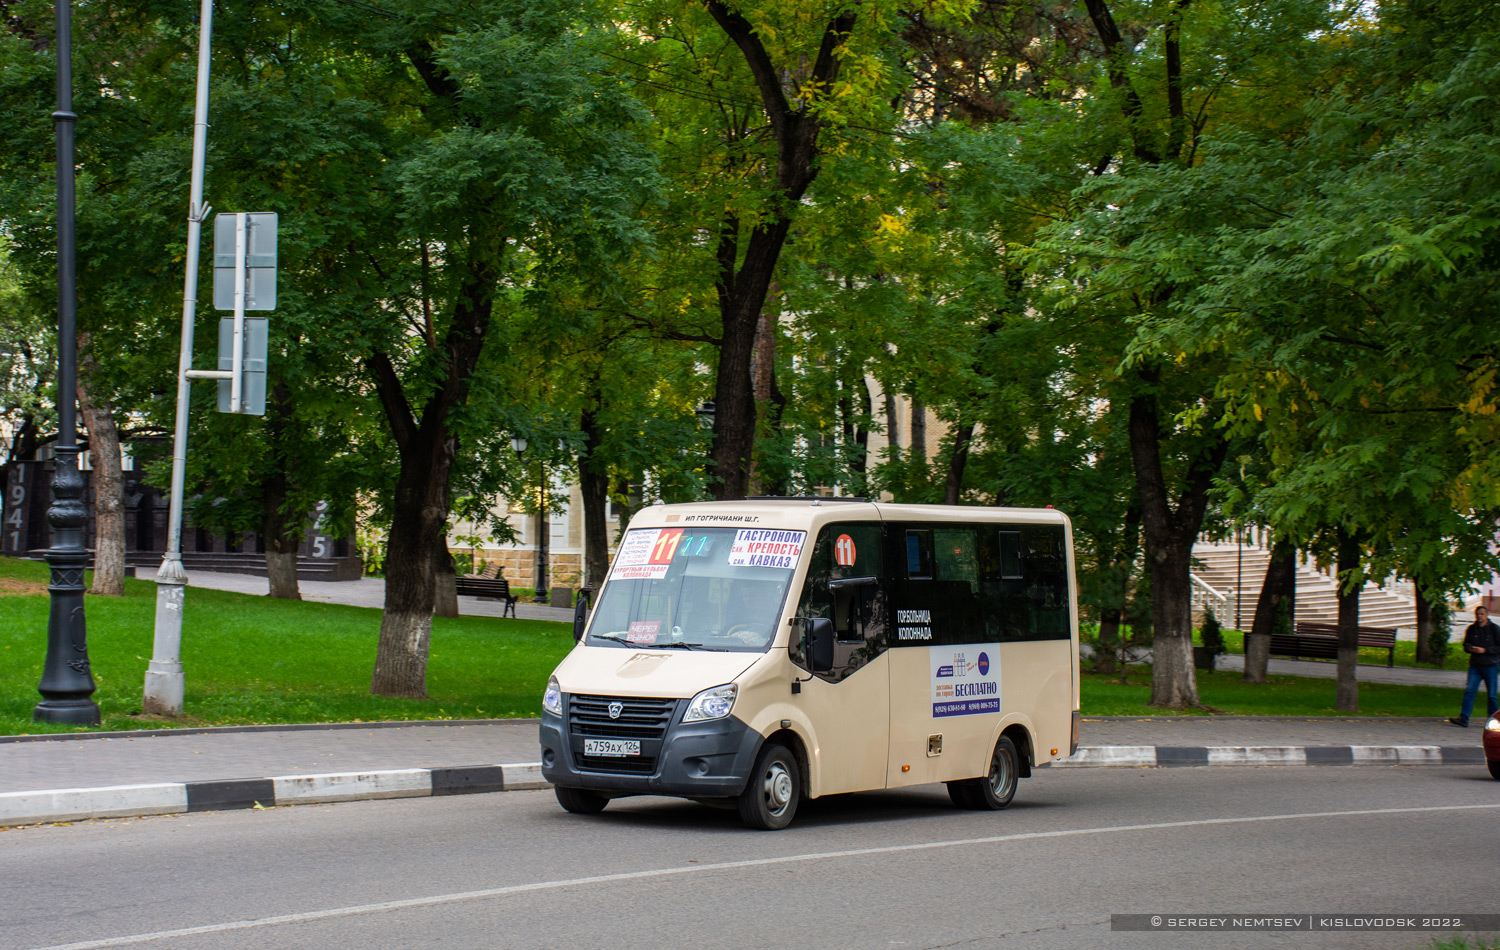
984,664
945,671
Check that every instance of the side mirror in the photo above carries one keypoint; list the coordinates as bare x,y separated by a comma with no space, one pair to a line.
819,634
581,611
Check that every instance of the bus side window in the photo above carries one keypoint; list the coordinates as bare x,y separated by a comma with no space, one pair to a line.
918,554
1010,555
844,552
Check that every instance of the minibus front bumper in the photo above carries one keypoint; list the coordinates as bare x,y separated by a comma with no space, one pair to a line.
693,760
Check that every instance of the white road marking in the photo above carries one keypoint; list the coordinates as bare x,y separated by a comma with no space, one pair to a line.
357,909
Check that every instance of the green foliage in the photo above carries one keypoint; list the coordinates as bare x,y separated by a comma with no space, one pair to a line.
1442,630
1211,634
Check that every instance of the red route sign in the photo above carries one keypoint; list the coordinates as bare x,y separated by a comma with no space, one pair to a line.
843,551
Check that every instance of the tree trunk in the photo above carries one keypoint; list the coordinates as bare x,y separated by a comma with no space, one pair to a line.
281,572
109,480
419,517
593,485
1106,658
953,488
1169,538
1350,581
419,511
1424,625
444,581
743,281
283,536
918,430
1277,594
281,527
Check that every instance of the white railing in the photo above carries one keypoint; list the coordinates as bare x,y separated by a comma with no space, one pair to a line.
1206,597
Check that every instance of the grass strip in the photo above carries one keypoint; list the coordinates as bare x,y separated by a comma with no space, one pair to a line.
256,660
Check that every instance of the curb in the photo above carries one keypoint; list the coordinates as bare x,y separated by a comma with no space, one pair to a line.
169,798
1164,756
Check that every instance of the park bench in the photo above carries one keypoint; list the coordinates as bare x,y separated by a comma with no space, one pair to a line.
1320,641
488,588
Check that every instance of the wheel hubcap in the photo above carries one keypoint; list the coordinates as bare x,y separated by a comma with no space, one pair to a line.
778,788
1000,775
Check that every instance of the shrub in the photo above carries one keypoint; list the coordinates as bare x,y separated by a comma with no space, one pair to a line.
1212,634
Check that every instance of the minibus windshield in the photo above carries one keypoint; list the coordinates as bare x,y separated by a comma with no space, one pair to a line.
697,589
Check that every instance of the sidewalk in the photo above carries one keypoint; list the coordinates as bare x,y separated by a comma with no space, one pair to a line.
112,775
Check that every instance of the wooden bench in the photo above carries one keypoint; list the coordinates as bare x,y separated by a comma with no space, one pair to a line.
488,588
1320,641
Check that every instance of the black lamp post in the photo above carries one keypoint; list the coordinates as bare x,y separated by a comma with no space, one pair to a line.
519,444
67,682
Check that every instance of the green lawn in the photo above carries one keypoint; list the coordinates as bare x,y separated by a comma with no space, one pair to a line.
1227,692
256,660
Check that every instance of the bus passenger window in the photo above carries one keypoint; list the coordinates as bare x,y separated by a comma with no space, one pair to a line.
918,554
1010,555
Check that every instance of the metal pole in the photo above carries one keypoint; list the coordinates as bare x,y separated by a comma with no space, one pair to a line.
67,682
544,531
241,239
164,678
1239,575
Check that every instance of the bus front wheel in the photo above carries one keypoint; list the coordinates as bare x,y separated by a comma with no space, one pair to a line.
769,801
994,790
580,801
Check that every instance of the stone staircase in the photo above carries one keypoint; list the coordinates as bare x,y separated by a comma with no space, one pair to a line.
1219,565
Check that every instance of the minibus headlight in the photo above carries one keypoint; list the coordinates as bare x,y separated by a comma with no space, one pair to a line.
711,704
552,698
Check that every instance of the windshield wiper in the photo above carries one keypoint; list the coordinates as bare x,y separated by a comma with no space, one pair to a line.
680,645
611,636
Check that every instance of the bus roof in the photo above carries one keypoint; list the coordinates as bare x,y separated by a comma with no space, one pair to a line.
812,512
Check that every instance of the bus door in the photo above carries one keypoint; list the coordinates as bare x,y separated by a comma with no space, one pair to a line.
945,661
848,706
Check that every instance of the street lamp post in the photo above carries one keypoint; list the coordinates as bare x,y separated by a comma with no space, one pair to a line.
67,681
543,536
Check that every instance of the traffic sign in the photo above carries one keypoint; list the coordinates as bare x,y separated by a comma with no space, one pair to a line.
260,260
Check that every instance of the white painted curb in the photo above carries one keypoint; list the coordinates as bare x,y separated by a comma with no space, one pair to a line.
1257,755
352,786
76,804
1121,756
523,776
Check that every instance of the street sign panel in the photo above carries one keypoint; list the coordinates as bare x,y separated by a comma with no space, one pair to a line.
253,374
260,261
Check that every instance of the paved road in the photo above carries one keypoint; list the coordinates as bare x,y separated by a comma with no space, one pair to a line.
880,870
221,754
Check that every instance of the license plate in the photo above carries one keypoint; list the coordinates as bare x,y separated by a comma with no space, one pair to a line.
612,747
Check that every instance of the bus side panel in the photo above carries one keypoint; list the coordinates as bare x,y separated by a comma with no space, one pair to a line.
1036,675
849,724
911,718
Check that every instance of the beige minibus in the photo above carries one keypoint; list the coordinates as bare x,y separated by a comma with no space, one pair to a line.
765,651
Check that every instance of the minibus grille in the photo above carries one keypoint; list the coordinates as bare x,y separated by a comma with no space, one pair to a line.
640,718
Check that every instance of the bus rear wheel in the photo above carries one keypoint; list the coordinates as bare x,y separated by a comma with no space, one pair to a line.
996,789
769,801
580,801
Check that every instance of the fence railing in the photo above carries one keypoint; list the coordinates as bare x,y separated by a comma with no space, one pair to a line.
1206,598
